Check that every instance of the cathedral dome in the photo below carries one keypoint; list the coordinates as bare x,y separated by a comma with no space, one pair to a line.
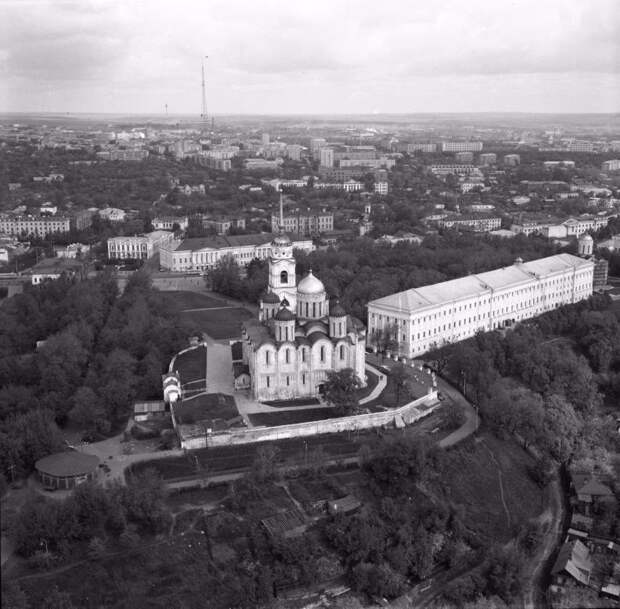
336,309
310,285
271,298
284,315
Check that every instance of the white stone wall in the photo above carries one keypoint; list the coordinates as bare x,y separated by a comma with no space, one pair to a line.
408,414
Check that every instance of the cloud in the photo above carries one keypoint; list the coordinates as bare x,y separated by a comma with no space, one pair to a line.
305,54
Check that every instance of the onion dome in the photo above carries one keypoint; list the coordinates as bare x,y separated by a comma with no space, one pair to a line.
336,309
270,298
586,237
284,315
310,285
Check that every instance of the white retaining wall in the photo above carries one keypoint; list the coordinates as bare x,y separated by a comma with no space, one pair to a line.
405,415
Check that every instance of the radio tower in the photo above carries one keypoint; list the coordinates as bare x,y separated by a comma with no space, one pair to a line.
203,116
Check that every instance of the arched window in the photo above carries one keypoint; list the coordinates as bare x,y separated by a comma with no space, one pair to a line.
283,277
341,351
322,354
287,354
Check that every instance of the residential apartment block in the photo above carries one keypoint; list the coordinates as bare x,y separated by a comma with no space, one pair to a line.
476,223
423,318
167,222
461,146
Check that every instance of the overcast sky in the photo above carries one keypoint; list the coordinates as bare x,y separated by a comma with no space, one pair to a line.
313,56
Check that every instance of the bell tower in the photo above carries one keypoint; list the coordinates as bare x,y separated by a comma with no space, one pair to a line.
282,278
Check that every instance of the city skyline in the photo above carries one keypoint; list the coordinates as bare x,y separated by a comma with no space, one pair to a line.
328,58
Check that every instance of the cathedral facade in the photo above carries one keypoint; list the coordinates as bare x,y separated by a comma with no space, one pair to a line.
300,335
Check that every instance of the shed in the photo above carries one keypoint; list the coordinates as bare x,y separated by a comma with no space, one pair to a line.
573,561
345,505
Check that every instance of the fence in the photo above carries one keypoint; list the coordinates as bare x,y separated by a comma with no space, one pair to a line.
399,417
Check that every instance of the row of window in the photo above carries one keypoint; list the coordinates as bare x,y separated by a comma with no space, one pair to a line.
304,355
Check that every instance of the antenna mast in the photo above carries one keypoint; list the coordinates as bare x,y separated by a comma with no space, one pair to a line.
203,116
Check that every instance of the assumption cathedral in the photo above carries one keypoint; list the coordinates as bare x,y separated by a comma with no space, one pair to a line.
300,334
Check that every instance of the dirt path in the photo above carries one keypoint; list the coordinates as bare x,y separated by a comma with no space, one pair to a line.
500,476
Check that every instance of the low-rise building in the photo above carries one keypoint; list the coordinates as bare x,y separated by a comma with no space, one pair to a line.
304,223
53,268
478,223
512,160
461,146
613,165
40,226
73,250
223,225
113,214
138,247
168,222
203,253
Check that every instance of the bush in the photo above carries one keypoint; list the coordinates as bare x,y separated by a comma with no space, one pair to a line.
543,471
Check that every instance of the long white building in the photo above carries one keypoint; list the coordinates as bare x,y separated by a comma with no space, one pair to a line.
202,253
430,316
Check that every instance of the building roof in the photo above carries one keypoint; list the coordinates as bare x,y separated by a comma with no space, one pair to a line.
270,298
472,285
229,241
574,558
336,309
310,285
284,315
69,463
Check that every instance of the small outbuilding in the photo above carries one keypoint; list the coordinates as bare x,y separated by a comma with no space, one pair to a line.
66,470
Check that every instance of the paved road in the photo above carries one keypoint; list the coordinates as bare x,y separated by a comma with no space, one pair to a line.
376,392
471,417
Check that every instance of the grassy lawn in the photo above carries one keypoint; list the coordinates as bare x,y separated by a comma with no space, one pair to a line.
192,365
191,300
219,323
288,417
208,406
470,479
196,497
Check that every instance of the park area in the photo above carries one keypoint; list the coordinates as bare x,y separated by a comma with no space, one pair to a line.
213,316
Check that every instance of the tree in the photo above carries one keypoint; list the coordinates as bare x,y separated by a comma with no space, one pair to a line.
265,464
341,390
87,411
562,427
399,376
226,277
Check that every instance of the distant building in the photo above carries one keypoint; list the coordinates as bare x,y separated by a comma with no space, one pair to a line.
421,318
203,253
461,146
413,147
464,157
223,225
512,160
488,158
73,250
293,151
113,214
445,169
613,165
53,268
477,223
304,223
381,188
83,218
167,222
40,226
326,156
581,146
256,164
139,247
